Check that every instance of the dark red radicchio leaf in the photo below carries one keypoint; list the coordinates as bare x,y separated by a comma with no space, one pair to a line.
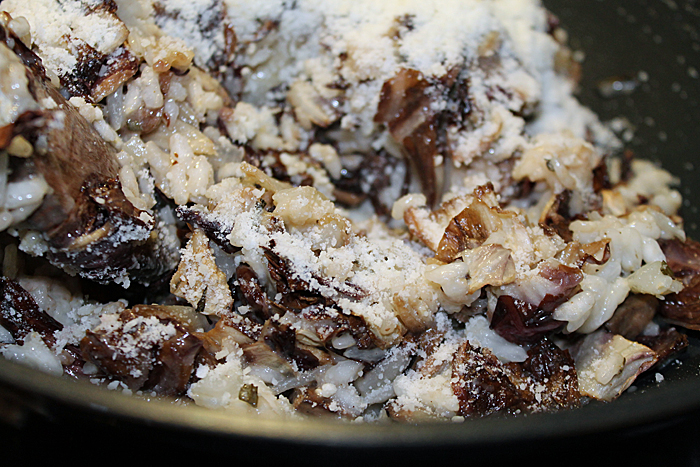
131,354
481,383
281,338
525,323
683,259
554,368
484,385
404,105
21,315
521,322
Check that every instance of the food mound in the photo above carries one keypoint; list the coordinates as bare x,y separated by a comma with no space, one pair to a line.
356,209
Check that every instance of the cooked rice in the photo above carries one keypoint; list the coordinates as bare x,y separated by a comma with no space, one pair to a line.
253,138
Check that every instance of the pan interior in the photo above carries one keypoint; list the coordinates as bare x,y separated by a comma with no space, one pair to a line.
662,113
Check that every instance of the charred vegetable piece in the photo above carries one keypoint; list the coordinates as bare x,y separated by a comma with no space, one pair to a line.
215,230
282,340
553,368
20,314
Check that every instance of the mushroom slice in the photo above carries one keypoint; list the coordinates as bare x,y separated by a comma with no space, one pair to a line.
607,364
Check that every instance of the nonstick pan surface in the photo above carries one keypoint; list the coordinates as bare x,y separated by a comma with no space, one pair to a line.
654,42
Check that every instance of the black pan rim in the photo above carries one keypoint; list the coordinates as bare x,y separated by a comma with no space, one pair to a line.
653,404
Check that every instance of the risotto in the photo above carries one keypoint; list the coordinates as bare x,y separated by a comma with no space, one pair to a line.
359,210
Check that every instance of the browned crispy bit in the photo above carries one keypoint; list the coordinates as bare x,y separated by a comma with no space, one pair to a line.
116,69
577,254
214,229
555,219
471,227
98,75
464,232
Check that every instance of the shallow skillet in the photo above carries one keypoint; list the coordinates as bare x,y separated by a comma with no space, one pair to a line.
658,43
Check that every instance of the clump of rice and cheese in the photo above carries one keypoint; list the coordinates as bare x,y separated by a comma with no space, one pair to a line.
390,207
